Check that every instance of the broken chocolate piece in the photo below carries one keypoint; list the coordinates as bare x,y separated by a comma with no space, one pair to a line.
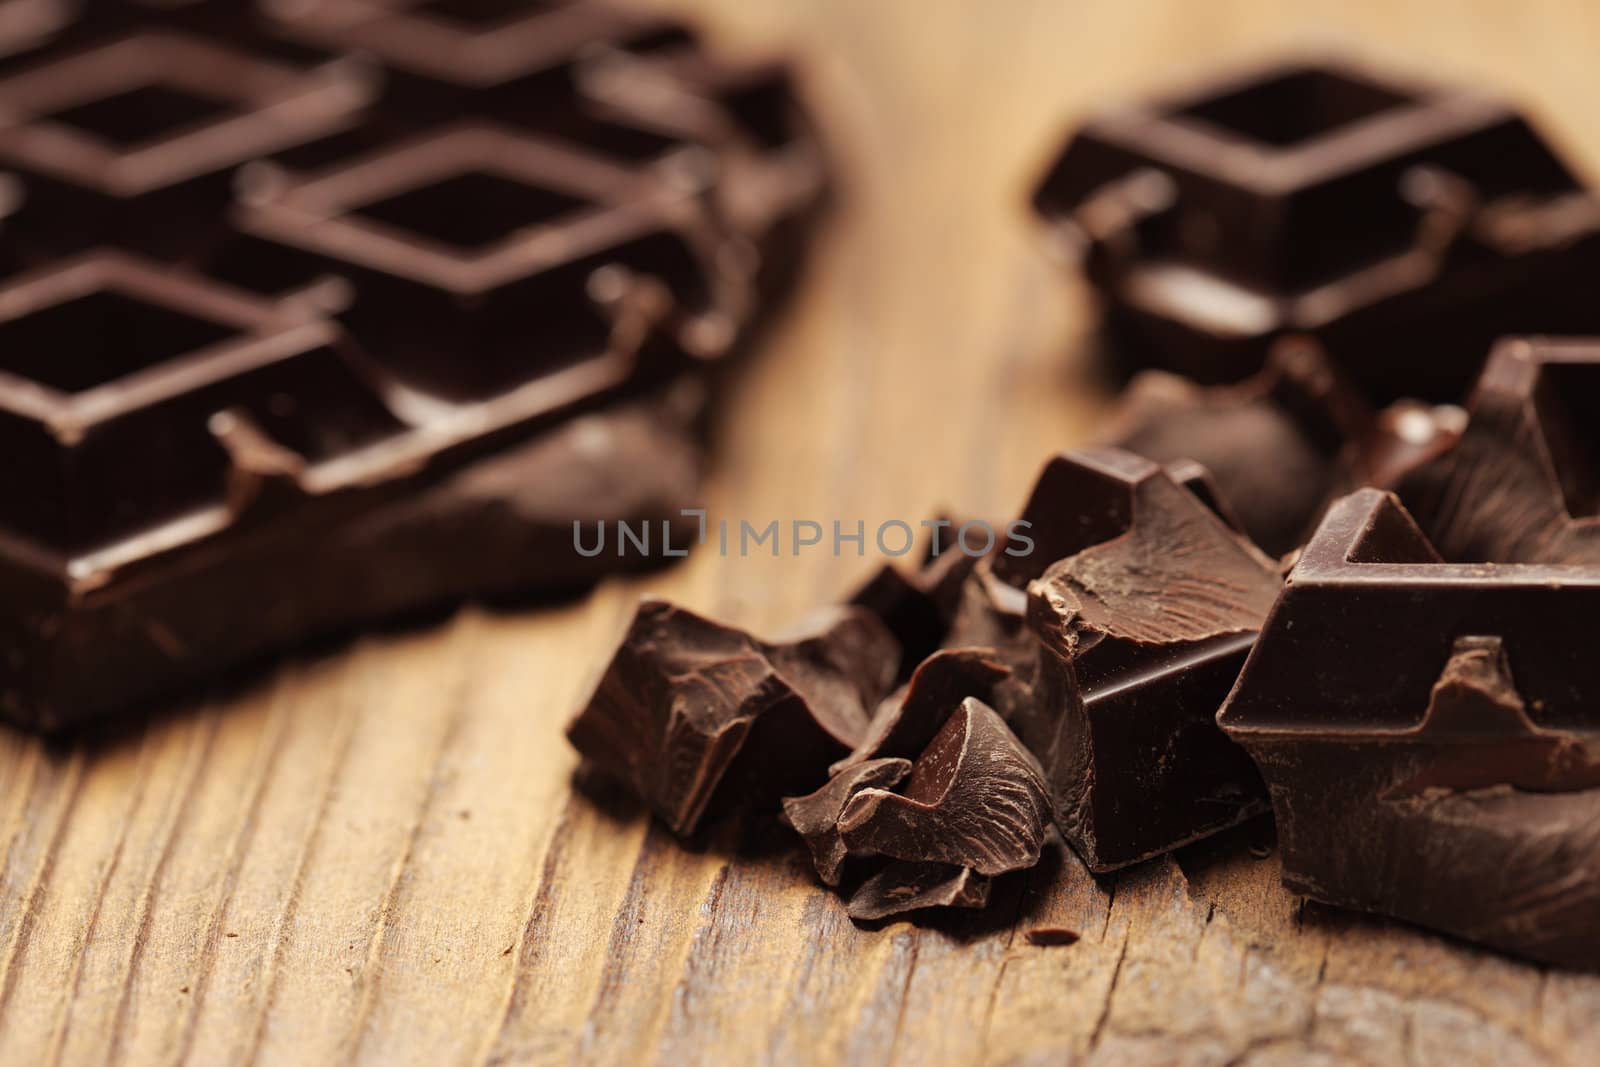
1523,483
919,607
1143,632
815,816
1404,436
975,798
1445,769
354,338
903,887
1276,444
1217,220
907,721
689,709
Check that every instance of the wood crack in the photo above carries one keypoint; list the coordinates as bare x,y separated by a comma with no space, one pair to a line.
271,746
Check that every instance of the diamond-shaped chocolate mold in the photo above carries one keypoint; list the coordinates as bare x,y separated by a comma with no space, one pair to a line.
1265,170
1371,610
479,259
771,167
1297,105
511,62
112,371
134,142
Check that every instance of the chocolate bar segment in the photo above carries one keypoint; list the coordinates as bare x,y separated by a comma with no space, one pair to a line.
1142,633
133,142
456,248
1405,226
1446,767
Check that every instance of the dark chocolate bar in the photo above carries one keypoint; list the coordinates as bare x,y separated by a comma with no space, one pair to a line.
1444,767
316,315
1406,226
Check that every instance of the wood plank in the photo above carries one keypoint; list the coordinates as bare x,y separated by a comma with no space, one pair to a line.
379,853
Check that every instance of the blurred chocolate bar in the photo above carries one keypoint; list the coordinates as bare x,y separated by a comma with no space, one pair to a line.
319,313
1406,226
1283,444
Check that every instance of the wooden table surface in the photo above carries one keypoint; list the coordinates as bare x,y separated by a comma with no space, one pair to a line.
378,854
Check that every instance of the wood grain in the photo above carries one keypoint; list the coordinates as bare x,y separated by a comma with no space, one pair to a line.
377,855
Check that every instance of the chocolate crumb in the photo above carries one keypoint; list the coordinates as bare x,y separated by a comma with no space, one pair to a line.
1049,936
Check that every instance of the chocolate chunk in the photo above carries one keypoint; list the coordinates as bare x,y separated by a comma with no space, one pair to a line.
1405,436
1445,768
1198,480
351,339
1523,483
1143,633
975,798
689,709
1276,444
919,606
905,887
1327,199
815,816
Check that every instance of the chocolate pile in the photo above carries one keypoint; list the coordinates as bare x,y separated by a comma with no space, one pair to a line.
316,313
1424,726
1408,681
1074,688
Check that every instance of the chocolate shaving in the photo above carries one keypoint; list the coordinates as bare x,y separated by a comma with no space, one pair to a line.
905,887
907,721
1050,936
815,816
975,798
